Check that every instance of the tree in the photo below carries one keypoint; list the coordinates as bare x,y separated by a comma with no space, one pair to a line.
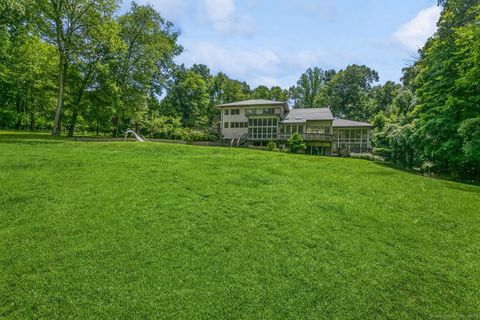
26,69
447,82
347,93
222,89
65,24
187,97
296,144
469,131
382,96
274,93
98,51
308,91
150,46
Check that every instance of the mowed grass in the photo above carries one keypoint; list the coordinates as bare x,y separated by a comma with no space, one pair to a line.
132,230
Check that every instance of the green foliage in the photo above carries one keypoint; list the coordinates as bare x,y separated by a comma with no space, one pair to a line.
449,78
187,97
271,146
469,131
139,70
308,91
274,93
347,94
295,143
383,152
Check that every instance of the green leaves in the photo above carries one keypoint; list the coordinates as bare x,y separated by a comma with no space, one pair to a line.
449,78
296,144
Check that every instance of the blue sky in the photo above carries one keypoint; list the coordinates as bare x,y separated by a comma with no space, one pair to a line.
272,42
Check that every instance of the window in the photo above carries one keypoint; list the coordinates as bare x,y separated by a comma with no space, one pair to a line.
225,125
235,125
226,112
263,128
235,112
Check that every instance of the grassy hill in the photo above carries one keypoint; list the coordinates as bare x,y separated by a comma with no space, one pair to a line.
131,230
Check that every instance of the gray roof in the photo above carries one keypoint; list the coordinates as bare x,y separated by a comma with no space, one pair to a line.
308,114
341,123
252,103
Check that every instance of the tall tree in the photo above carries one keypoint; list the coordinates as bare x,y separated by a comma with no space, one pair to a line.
150,46
448,80
187,97
226,90
307,92
347,92
65,24
94,58
274,93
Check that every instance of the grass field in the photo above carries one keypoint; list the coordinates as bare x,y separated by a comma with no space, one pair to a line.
131,230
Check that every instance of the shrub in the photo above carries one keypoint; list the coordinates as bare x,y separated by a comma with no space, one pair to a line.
367,156
382,152
296,144
271,146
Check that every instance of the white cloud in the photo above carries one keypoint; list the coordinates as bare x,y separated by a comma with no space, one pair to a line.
415,33
235,62
256,66
223,16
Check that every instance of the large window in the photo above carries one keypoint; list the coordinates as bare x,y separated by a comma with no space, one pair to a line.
262,128
292,128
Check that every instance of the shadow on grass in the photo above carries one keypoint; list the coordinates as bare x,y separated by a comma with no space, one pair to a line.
469,186
30,140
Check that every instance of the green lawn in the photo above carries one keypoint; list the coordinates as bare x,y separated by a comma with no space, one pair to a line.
131,230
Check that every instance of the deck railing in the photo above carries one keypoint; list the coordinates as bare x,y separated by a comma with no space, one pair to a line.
307,137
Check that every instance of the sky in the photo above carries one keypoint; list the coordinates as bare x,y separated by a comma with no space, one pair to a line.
272,42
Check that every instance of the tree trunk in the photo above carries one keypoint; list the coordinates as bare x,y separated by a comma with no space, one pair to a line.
117,125
18,124
73,123
57,126
32,120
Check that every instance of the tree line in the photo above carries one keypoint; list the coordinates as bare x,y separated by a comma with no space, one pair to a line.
78,66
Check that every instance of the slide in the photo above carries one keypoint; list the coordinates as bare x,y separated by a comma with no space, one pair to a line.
137,136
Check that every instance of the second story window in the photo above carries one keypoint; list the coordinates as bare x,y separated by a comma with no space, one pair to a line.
235,112
226,112
225,125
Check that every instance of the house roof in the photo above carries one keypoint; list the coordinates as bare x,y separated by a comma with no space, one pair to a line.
308,114
258,102
341,123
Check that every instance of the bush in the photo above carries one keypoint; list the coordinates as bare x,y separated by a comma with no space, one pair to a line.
382,152
367,156
296,144
271,146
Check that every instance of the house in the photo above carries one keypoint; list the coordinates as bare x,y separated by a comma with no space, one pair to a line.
259,121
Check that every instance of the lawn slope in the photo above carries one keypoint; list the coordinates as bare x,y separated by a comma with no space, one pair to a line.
131,230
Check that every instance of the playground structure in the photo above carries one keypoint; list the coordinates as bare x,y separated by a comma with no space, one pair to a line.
137,136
